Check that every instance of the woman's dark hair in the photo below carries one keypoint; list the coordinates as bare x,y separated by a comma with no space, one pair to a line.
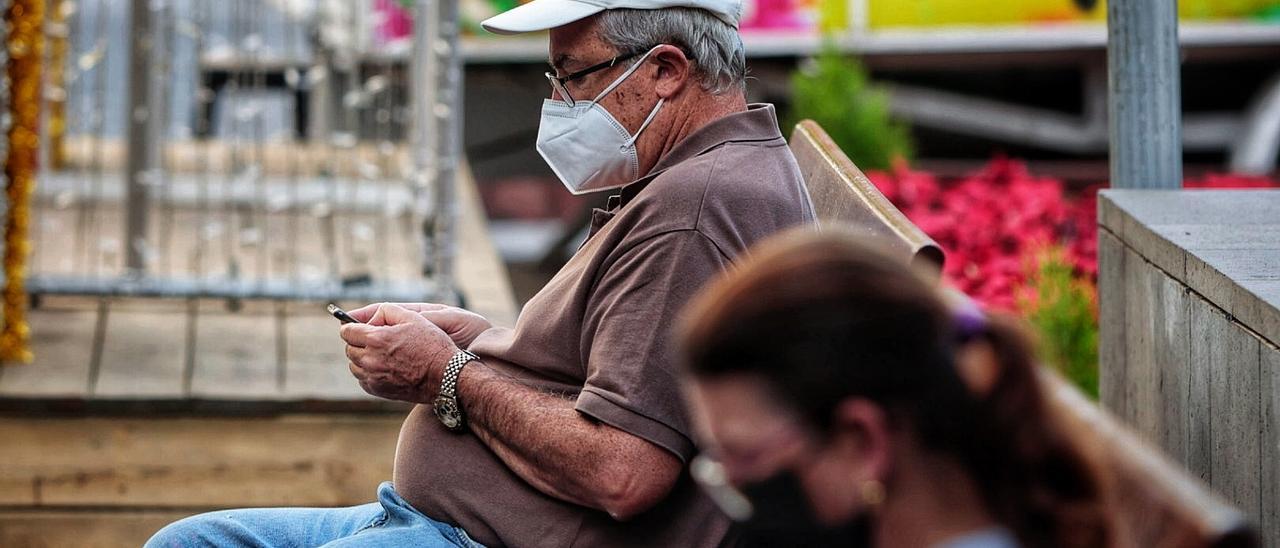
821,317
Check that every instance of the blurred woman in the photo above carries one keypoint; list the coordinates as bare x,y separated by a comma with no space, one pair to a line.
841,402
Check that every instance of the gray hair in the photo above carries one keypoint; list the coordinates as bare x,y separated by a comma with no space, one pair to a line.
713,45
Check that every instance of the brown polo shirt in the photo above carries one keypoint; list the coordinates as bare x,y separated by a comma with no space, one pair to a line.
601,331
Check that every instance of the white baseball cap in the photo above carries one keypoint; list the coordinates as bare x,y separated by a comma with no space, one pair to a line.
548,14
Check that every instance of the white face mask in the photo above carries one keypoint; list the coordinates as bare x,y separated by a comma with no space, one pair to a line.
586,146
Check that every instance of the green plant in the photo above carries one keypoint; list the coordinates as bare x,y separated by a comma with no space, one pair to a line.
834,90
1063,309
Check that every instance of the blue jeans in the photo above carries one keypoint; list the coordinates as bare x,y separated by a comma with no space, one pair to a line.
388,522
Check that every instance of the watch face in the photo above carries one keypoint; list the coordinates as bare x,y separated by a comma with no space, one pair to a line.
446,410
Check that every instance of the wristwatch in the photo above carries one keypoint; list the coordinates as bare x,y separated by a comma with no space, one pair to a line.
446,404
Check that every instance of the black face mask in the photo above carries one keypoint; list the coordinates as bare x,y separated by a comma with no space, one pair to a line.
783,517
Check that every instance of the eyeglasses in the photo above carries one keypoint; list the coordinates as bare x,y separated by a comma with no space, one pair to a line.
710,475
711,472
558,82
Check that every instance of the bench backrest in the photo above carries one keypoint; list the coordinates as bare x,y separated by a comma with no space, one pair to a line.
1158,503
843,195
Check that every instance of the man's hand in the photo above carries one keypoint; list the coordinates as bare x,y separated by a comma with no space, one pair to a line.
397,353
463,326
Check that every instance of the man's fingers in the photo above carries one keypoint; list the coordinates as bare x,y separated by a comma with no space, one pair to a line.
359,376
357,356
444,319
392,314
365,312
357,334
423,307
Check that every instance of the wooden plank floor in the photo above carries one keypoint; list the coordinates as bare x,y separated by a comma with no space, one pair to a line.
138,354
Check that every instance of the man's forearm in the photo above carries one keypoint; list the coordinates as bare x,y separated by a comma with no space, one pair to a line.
553,447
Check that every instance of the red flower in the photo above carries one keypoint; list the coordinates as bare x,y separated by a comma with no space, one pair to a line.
993,221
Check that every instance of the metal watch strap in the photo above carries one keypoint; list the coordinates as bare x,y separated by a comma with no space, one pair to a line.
449,384
446,406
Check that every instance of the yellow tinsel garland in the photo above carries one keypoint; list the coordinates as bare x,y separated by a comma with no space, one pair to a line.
58,45
25,41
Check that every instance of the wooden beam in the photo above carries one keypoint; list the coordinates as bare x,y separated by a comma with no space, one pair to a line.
190,462
85,529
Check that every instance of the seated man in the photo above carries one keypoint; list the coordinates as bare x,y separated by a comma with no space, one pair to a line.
569,429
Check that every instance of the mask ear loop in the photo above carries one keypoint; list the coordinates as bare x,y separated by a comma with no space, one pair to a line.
625,75
632,141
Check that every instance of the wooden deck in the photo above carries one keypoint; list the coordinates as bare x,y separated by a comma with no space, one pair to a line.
108,354
139,411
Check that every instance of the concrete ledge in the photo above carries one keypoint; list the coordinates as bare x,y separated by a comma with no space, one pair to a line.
1222,244
1189,286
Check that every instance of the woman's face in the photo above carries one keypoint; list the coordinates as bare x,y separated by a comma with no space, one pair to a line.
743,426
756,439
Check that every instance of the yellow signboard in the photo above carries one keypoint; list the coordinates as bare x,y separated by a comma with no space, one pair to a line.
915,13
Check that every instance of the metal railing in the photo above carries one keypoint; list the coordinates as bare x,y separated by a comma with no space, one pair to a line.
248,149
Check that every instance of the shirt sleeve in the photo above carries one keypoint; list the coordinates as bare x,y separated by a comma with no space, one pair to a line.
633,380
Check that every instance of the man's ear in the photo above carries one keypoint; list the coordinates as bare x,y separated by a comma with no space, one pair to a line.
674,70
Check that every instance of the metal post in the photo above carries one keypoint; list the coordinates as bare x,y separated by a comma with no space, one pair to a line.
448,116
1146,94
436,132
141,154
422,90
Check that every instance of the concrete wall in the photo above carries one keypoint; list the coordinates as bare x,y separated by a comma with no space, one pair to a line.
1189,284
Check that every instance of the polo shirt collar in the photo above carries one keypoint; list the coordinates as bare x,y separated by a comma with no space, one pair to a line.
758,123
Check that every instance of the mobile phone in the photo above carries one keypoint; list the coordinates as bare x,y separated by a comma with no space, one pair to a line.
340,314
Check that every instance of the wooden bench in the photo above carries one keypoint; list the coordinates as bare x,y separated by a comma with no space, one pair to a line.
1157,503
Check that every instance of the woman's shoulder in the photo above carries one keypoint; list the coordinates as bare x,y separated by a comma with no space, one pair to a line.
992,537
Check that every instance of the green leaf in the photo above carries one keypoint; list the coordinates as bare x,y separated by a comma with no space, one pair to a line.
1062,308
834,90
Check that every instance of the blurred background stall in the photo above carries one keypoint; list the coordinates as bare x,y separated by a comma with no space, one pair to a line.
207,175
